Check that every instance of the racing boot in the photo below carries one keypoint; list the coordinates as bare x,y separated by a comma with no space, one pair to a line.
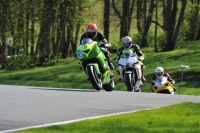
109,62
112,75
143,78
174,88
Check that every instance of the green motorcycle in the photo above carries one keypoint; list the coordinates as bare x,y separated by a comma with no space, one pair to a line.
95,65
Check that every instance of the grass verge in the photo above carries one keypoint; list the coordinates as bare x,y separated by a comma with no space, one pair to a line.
178,118
66,73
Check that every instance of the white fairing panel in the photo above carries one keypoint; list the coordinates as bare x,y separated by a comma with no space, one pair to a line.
131,62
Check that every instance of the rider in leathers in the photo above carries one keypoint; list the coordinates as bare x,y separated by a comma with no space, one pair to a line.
159,73
127,44
92,33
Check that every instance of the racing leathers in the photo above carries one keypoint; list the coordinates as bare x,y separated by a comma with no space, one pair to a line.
154,79
136,49
101,38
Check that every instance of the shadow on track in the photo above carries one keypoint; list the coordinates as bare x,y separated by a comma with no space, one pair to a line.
64,89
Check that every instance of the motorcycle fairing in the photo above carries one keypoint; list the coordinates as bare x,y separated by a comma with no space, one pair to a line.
130,64
102,62
138,71
96,68
88,51
165,86
106,77
87,55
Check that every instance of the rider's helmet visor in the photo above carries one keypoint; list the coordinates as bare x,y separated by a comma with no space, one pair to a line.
91,34
126,44
159,74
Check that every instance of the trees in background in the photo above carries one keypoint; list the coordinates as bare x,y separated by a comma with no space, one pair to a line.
59,28
144,42
4,4
173,24
49,29
125,17
42,28
106,21
193,21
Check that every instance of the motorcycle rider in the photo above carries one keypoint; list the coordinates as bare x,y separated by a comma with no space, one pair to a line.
159,74
127,44
93,33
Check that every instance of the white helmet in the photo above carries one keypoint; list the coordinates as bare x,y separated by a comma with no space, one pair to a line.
159,71
127,42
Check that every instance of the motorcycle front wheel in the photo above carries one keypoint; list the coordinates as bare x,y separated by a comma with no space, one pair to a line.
129,83
94,79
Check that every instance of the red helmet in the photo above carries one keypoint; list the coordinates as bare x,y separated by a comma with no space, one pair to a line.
91,30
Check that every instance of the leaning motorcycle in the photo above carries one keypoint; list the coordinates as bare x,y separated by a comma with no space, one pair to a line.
163,86
130,71
95,65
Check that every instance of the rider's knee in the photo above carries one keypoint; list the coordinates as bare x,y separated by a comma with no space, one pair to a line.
143,67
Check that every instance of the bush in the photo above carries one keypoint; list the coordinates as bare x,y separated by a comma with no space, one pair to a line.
21,61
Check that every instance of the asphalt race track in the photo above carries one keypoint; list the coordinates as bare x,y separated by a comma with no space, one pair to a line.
23,107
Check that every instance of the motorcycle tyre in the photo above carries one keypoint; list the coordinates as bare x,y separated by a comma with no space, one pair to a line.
110,86
128,81
93,79
138,90
166,92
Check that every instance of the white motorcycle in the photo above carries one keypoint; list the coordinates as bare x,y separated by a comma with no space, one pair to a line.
130,71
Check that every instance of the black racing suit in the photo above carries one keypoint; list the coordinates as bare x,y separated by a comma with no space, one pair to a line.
154,78
136,49
101,38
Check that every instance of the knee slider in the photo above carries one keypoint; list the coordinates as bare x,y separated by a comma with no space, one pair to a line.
143,67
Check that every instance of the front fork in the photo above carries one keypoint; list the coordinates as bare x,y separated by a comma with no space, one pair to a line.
106,75
121,73
138,72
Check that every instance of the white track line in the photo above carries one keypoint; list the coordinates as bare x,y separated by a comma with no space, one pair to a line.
67,122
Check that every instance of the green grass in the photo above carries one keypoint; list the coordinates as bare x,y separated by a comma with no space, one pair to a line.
179,118
66,74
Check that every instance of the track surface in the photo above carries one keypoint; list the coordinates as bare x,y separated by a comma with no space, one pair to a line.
23,106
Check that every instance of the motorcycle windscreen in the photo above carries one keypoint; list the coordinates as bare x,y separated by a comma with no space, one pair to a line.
127,53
